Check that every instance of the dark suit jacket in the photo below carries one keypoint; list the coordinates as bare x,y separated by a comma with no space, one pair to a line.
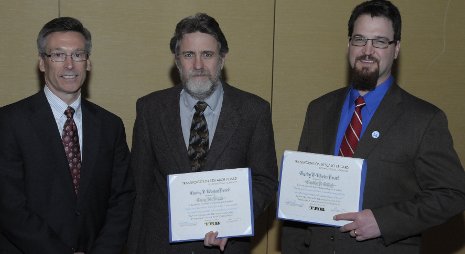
414,177
39,212
243,138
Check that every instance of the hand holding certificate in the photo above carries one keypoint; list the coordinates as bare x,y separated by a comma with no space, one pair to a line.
315,187
207,201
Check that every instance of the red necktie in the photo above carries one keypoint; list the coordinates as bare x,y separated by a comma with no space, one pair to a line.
352,134
70,141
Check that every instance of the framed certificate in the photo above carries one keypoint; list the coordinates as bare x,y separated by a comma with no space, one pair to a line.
219,200
315,187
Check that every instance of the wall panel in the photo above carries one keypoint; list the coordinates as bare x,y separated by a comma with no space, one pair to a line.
311,59
432,59
20,22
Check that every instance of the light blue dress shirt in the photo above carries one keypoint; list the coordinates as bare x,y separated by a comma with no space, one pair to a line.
211,113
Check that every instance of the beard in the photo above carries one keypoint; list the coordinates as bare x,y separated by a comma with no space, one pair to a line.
363,78
197,88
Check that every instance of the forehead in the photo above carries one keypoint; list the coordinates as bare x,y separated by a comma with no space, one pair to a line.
373,27
65,40
198,42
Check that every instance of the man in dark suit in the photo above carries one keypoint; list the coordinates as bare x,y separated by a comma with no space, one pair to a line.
239,134
414,177
53,198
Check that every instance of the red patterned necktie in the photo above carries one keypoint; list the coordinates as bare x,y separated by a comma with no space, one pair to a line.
70,141
352,134
198,140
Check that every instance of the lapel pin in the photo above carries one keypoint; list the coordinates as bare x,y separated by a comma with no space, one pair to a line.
375,134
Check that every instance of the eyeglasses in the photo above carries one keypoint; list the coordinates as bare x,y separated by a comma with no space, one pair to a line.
77,56
380,43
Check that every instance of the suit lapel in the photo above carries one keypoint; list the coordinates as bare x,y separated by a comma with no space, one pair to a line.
385,116
44,123
171,127
91,128
334,113
227,124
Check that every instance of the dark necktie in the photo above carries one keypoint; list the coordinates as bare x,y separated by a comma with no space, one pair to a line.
352,134
70,141
198,140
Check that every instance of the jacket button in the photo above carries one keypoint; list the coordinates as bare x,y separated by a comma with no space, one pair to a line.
331,238
77,213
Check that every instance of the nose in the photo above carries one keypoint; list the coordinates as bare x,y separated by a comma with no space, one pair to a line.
198,62
69,63
368,49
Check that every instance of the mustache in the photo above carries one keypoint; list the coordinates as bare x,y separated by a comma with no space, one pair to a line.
197,73
368,58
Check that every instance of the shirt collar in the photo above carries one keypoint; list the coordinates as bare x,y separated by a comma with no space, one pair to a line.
372,98
58,106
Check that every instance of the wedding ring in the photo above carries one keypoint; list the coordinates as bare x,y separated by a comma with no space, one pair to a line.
355,233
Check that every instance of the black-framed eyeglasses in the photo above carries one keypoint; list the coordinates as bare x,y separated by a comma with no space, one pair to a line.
77,56
360,41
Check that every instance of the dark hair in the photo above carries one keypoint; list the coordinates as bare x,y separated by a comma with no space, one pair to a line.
199,22
378,8
62,24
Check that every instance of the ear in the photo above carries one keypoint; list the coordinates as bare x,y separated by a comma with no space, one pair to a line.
223,60
41,64
89,65
176,61
396,52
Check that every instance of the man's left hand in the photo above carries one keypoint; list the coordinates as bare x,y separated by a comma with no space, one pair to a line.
363,225
212,240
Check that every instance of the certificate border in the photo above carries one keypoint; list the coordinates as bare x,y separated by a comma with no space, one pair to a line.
362,184
362,189
170,236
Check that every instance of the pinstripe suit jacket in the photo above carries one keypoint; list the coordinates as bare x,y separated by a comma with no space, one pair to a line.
39,211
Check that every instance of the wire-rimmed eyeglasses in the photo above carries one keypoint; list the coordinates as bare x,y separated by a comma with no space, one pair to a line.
360,41
77,56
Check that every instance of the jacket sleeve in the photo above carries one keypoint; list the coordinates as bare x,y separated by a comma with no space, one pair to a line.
142,165
441,179
21,226
114,232
262,160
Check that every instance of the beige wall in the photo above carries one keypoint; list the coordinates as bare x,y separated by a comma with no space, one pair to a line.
288,52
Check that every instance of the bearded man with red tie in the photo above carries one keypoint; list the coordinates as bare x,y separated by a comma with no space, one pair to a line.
414,177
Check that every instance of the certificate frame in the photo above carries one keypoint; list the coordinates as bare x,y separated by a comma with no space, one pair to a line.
315,187
217,200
